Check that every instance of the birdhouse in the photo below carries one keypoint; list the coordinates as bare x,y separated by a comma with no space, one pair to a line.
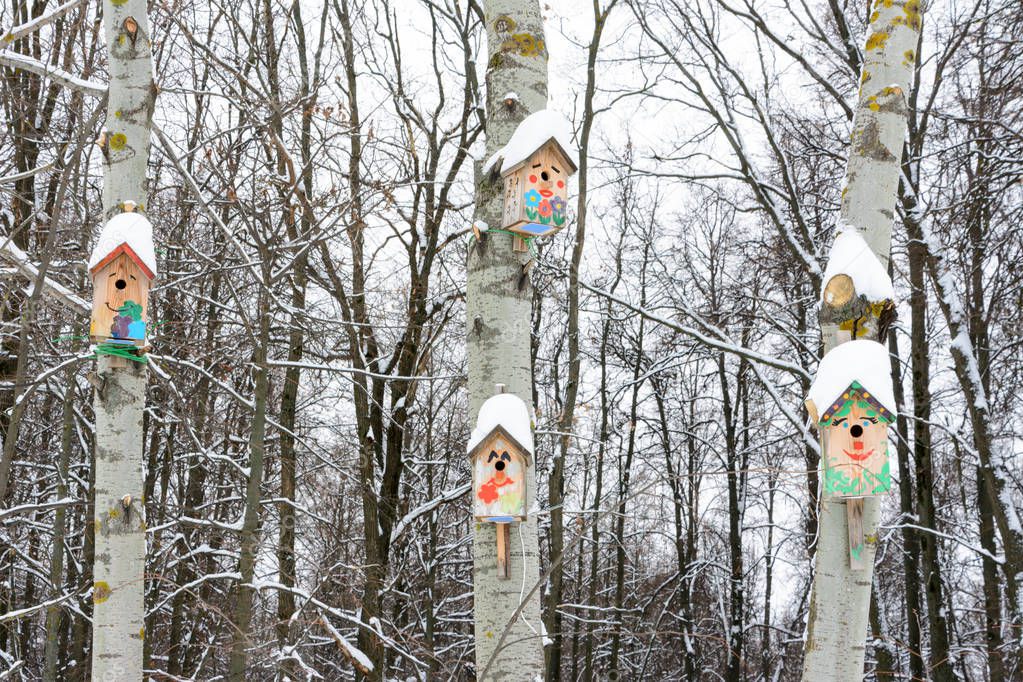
500,449
122,266
852,403
535,166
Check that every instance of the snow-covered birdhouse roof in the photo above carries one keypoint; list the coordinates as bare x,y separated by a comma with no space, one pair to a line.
860,367
535,131
504,412
850,255
130,234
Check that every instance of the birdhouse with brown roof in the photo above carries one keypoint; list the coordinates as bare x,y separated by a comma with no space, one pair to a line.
123,265
535,166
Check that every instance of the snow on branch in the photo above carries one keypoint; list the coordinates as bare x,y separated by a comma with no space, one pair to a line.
407,520
23,264
45,19
26,63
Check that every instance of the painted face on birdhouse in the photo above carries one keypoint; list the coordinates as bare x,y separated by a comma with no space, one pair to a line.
856,454
499,481
545,190
119,308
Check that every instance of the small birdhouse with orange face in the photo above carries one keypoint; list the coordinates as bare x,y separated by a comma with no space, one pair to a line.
535,166
122,266
500,450
852,403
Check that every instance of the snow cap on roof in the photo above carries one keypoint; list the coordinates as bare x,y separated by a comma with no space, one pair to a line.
534,132
862,361
850,255
507,411
132,230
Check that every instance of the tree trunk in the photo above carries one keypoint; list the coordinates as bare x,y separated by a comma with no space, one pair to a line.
53,613
119,517
498,297
241,616
840,603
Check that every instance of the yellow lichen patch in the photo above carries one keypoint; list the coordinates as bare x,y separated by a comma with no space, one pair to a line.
912,11
142,633
489,634
525,44
114,513
117,3
118,141
874,15
100,592
908,57
864,77
877,40
117,113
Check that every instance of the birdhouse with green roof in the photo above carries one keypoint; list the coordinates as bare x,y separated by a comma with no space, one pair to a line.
852,403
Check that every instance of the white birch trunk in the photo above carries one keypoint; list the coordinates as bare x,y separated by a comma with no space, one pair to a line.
498,309
840,602
120,557
118,627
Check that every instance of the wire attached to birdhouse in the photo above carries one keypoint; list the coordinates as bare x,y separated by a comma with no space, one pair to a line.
119,351
527,240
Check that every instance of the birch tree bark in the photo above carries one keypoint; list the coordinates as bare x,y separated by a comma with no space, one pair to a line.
840,603
119,524
498,296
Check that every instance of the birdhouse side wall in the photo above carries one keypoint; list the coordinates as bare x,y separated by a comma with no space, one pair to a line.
120,313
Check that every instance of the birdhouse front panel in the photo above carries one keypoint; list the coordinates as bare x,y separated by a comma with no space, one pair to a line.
855,432
499,479
536,193
120,300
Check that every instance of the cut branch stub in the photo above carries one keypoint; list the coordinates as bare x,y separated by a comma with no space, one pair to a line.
853,313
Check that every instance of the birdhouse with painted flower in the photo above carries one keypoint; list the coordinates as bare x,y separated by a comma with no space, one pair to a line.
535,166
852,403
500,450
122,266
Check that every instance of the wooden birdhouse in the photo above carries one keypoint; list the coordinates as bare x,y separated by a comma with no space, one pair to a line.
852,403
122,266
500,452
535,166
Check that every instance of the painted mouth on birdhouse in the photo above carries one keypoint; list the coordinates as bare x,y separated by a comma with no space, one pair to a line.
546,193
858,456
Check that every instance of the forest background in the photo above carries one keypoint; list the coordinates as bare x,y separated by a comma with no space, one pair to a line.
314,165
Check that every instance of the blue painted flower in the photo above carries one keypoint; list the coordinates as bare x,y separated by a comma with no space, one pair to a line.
533,198
558,204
